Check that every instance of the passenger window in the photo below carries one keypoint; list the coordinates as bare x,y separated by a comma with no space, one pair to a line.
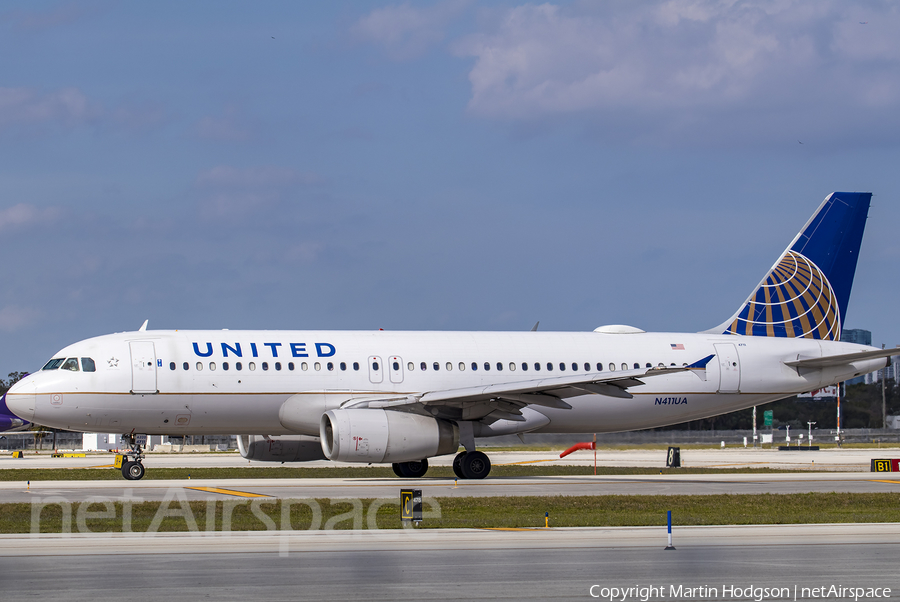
624,366
512,366
537,367
224,365
449,366
649,365
409,366
53,364
330,366
343,366
474,366
375,366
291,366
199,366
252,366
423,366
70,364
212,365
587,367
549,367
462,367
660,365
317,366
436,366
238,366
265,366
575,367
186,366
277,365
499,366
396,366
356,365
612,367
171,365
487,366
304,366
525,366
562,367
637,366
87,364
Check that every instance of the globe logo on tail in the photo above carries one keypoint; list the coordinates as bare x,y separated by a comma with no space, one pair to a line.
795,300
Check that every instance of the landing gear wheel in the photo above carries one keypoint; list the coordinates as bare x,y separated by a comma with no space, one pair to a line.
475,465
410,470
415,470
133,471
457,465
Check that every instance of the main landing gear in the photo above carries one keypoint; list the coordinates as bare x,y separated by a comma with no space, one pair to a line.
132,467
471,465
411,470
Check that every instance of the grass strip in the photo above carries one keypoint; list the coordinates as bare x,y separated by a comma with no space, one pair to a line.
178,514
346,472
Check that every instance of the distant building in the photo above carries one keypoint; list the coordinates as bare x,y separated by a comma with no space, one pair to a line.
857,335
860,337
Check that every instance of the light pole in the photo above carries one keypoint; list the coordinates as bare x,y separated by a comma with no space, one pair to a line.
810,425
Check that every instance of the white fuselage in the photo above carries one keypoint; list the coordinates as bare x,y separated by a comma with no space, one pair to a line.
176,382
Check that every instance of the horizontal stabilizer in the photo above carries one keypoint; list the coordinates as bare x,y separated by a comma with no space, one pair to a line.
842,360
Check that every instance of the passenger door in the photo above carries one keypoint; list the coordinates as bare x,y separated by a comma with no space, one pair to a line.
729,368
143,367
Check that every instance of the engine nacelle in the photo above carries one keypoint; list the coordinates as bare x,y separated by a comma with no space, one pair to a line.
280,448
369,435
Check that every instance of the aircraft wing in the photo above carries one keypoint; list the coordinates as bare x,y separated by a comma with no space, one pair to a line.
504,400
841,360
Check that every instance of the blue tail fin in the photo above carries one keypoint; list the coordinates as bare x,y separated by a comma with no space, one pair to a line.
805,294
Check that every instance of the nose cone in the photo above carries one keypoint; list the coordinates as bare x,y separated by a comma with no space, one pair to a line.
20,399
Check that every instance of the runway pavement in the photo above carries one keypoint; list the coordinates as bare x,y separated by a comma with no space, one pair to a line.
540,564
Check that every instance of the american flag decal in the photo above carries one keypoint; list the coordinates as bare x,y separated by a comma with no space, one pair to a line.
678,346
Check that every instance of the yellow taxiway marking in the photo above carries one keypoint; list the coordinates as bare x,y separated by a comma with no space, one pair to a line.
526,462
885,481
228,492
514,528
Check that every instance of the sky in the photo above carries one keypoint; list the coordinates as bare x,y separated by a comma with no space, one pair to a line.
451,165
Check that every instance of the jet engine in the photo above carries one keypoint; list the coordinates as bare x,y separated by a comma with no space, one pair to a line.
373,435
280,448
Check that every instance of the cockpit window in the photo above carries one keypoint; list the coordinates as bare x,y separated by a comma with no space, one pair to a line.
54,363
70,364
87,364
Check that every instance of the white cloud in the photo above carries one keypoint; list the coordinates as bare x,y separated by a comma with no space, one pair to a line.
682,65
405,31
26,106
227,127
24,214
232,192
13,318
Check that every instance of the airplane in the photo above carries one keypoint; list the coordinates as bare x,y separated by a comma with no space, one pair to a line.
9,422
404,397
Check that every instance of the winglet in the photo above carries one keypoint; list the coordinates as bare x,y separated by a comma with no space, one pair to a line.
143,327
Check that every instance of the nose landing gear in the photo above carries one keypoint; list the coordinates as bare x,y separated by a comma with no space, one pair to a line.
132,466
